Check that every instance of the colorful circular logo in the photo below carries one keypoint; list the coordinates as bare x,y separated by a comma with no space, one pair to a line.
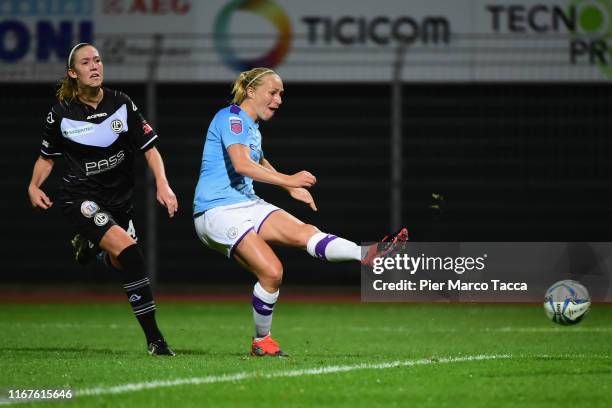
271,12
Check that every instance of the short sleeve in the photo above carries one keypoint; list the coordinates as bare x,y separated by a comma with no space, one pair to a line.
142,134
51,145
233,130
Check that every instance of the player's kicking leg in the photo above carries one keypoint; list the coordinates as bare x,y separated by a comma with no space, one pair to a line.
284,229
391,243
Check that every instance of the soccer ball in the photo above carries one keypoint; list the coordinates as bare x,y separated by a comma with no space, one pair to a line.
566,302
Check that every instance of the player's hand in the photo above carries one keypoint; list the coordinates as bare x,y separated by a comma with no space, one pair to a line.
301,194
38,198
302,179
166,197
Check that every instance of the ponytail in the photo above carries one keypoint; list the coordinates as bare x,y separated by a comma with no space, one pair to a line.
248,79
66,89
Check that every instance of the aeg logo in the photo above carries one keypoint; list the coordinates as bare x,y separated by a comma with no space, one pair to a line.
104,164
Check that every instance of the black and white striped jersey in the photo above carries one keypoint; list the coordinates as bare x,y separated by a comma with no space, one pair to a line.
98,146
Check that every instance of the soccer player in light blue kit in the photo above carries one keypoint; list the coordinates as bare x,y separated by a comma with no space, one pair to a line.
230,218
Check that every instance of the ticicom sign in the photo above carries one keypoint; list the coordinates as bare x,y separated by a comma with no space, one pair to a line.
381,30
26,26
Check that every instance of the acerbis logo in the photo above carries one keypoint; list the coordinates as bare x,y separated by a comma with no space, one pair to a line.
268,10
97,115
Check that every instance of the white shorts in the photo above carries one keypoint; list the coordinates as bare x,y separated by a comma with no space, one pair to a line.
222,228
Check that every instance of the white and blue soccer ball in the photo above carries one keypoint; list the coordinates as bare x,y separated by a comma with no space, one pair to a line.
567,302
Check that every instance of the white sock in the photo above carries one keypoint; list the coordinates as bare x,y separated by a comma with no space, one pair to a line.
263,306
332,248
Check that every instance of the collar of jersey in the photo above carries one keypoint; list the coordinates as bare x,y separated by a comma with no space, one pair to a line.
78,101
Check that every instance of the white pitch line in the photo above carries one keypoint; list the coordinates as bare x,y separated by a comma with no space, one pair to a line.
120,389
507,329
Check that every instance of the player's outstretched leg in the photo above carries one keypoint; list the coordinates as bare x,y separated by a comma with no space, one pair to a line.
332,248
391,243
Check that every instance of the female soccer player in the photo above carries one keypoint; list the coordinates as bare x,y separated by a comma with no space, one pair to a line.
98,130
231,219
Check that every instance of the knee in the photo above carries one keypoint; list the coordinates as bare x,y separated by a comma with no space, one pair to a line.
115,241
306,232
116,250
272,277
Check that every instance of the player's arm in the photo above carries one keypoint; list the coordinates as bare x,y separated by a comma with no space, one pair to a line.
165,195
298,193
42,170
244,165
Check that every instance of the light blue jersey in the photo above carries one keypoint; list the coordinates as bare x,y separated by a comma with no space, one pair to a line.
219,183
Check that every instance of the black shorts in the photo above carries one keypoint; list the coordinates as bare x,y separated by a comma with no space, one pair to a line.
92,220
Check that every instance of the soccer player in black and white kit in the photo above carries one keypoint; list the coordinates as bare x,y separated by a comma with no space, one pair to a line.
98,131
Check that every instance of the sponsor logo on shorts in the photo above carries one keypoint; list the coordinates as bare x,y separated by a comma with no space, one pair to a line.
232,232
89,208
45,143
101,219
117,125
235,125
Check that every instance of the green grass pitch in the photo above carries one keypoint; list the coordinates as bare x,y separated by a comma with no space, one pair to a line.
341,355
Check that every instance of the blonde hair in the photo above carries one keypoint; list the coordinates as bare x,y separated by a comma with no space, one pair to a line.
67,87
248,79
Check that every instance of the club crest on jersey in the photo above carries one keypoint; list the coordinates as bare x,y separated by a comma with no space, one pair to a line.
116,125
101,219
89,208
236,125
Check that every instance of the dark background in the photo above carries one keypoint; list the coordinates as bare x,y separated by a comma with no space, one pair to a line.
514,162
